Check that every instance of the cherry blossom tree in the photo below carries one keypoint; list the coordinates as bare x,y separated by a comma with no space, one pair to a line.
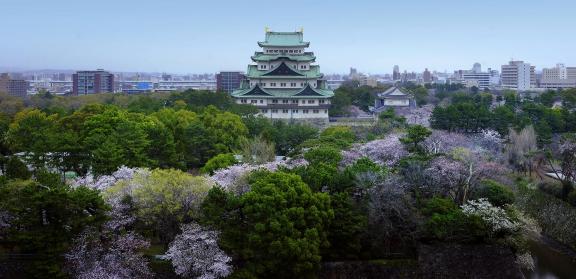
391,216
95,256
490,140
444,176
233,178
195,254
457,174
103,182
444,142
386,152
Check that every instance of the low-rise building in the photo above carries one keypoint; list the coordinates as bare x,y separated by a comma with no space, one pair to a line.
394,97
474,77
558,77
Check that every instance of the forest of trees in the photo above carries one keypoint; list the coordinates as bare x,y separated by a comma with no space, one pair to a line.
161,191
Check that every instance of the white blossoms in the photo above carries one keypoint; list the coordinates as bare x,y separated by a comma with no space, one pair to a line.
496,217
195,254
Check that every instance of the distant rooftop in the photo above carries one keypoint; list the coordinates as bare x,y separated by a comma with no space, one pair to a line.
284,39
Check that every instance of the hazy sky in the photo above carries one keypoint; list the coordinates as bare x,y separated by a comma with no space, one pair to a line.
187,36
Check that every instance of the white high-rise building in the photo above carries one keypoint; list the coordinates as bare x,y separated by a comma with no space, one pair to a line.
518,75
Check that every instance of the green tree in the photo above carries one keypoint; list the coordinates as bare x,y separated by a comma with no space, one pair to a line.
16,169
48,219
212,133
114,140
287,137
345,232
569,98
4,148
414,136
503,118
274,231
547,98
34,133
421,95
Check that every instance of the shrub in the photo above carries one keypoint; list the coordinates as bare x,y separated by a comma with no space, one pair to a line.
556,217
553,188
326,155
448,223
438,205
496,193
219,161
572,198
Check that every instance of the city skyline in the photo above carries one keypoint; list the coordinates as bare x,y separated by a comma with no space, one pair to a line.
181,37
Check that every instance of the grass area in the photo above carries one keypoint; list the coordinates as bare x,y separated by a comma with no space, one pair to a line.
155,249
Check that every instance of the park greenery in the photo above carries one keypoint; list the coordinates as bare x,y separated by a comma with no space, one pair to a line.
190,184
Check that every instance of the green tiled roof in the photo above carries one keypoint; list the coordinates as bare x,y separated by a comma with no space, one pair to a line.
306,57
268,93
284,39
314,72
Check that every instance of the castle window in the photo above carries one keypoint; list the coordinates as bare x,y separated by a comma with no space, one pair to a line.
284,101
264,111
304,111
321,101
315,111
243,101
284,111
274,101
274,111
294,111
310,101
